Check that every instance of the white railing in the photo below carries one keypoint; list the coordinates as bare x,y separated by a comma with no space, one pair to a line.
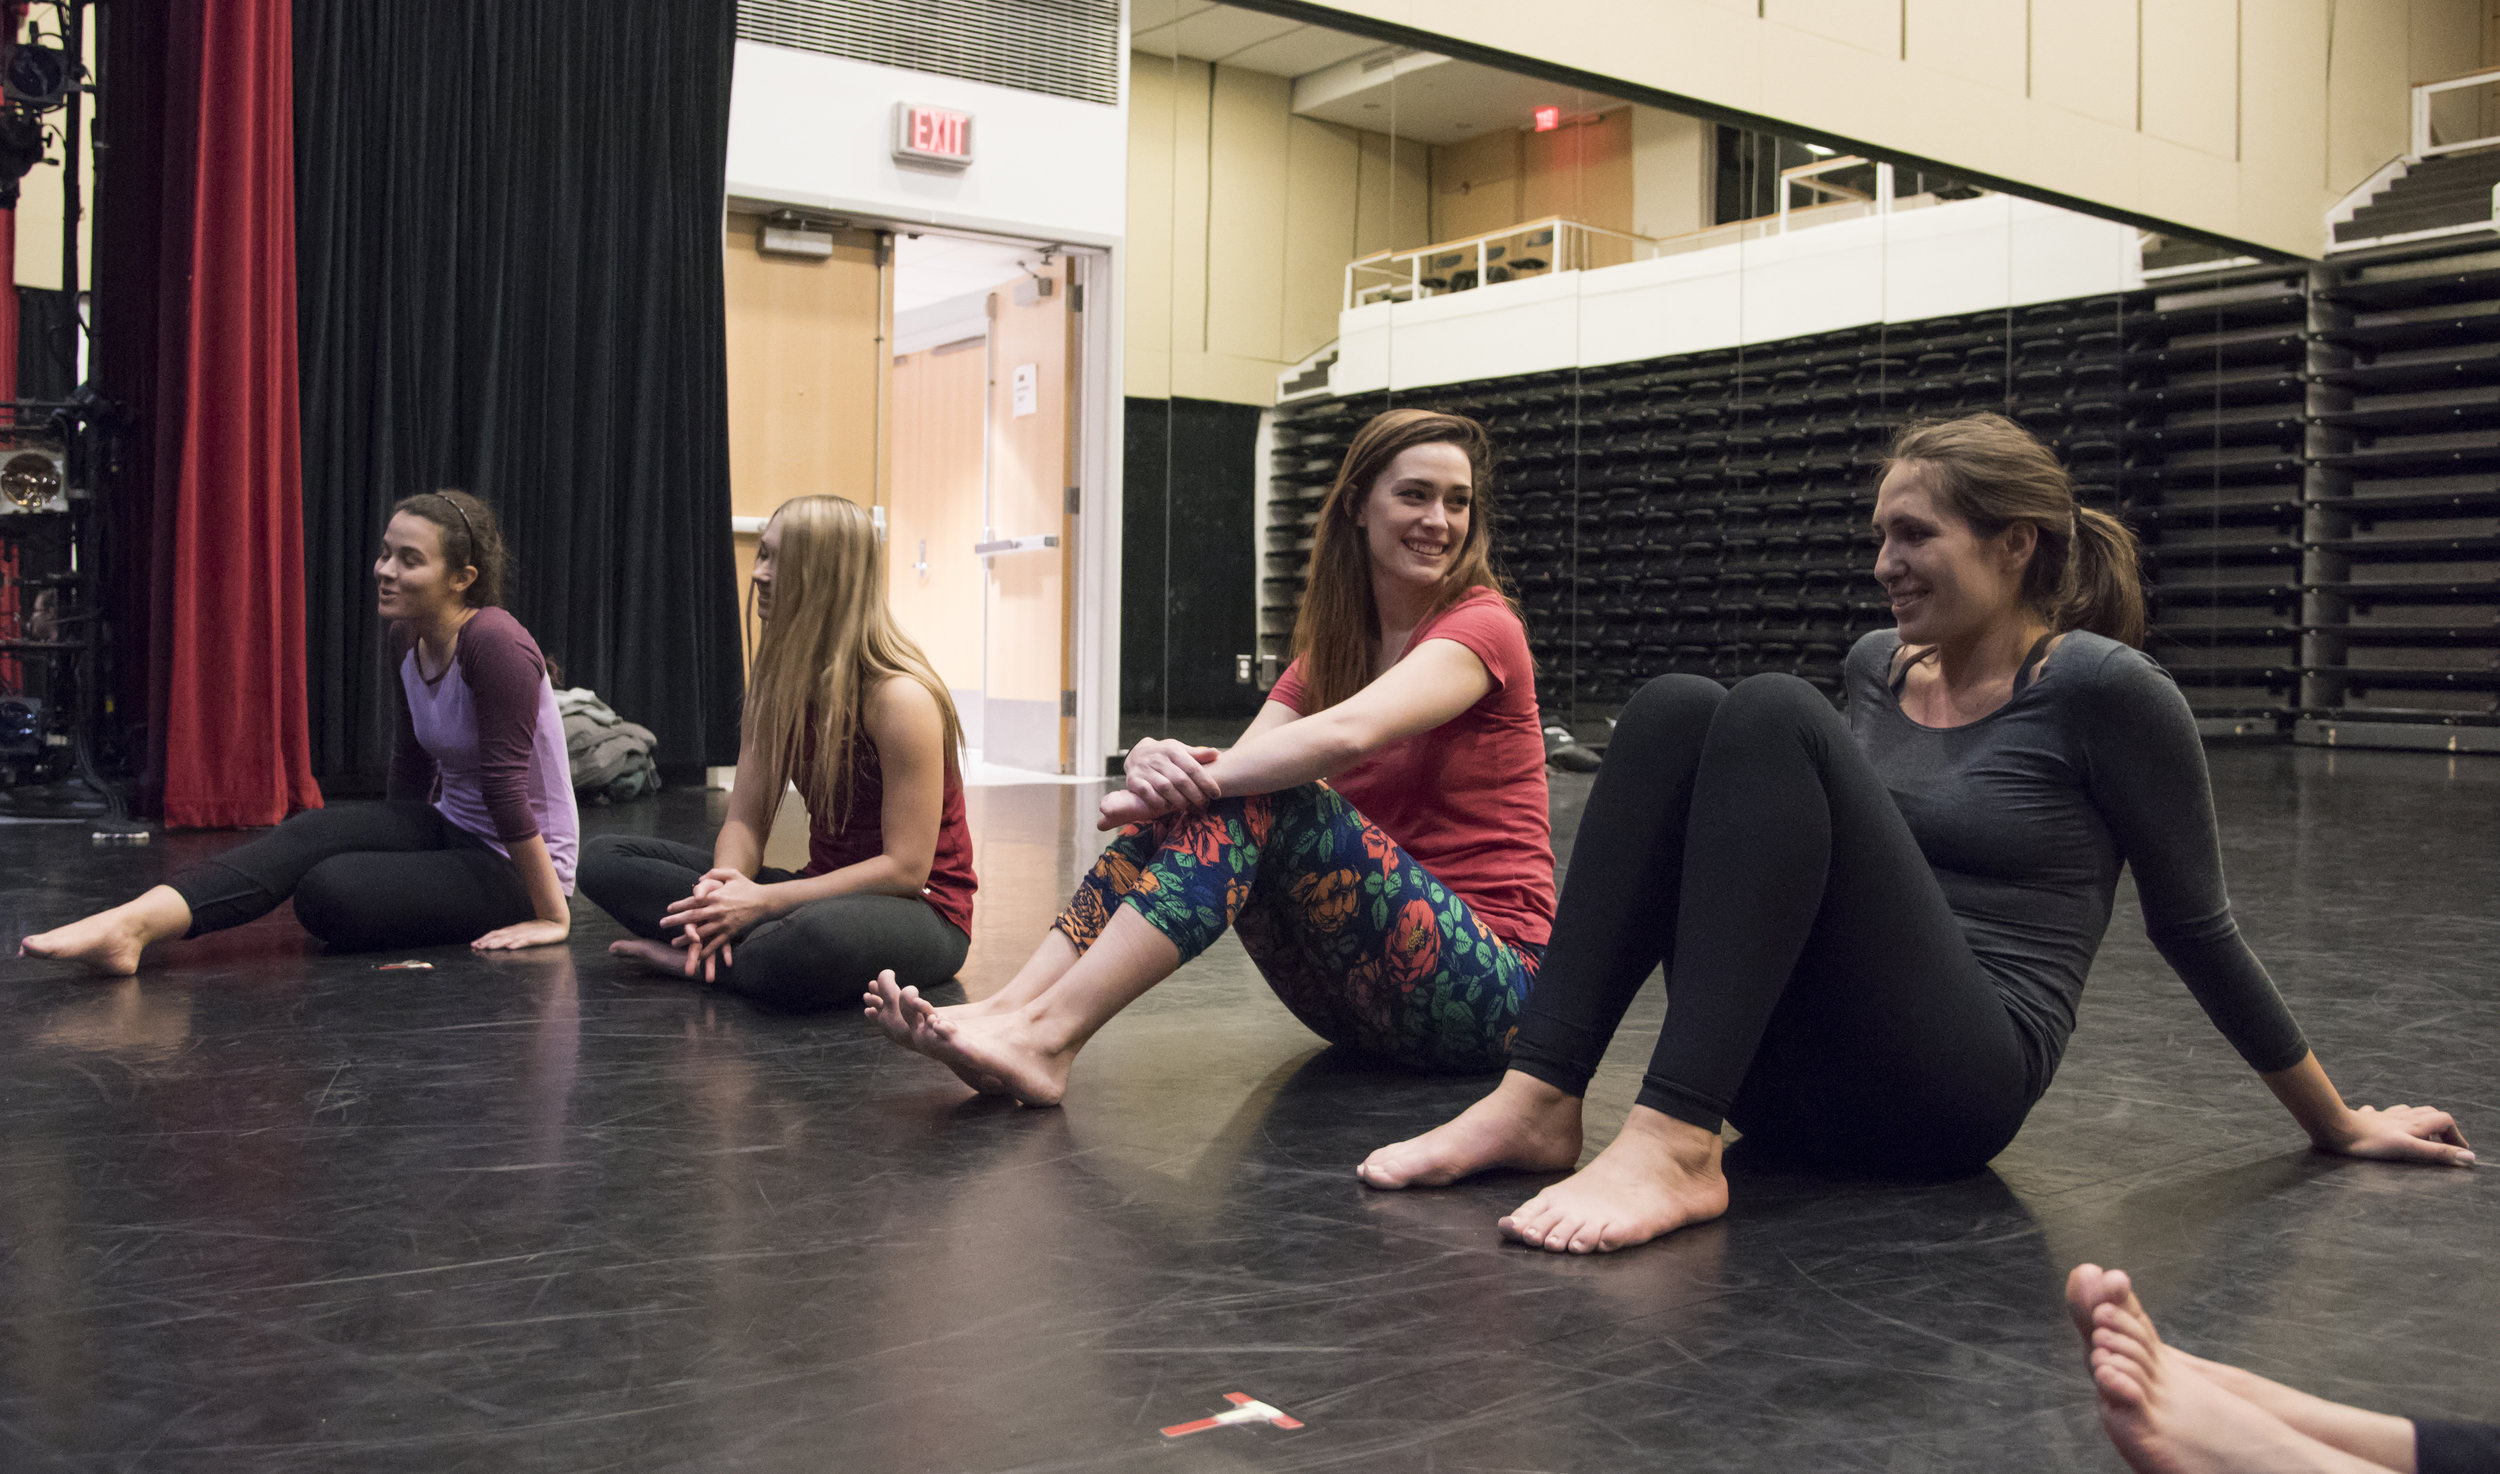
1555,244
2426,125
1534,249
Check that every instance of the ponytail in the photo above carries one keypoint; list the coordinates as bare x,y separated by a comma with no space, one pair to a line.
2102,592
1993,473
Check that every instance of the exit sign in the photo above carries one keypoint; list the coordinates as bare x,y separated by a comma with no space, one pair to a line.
932,135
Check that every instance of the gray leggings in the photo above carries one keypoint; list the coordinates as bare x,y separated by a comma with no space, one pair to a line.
821,955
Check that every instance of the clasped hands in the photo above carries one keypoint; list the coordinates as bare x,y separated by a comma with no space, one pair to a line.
1164,777
724,906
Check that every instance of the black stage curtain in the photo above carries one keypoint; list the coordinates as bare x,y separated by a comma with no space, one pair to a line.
509,271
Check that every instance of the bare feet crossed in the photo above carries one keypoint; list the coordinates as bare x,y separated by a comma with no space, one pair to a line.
1003,1052
2166,1415
1525,1125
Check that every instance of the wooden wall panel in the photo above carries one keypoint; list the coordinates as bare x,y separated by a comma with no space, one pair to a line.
1582,172
803,374
1476,185
2191,74
1247,213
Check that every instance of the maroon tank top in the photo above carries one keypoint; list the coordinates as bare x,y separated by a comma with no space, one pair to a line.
951,881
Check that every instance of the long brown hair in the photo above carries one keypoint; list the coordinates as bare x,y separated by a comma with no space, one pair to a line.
1338,627
1993,473
471,537
829,643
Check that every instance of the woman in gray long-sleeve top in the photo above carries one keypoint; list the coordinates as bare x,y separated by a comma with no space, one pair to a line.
1876,932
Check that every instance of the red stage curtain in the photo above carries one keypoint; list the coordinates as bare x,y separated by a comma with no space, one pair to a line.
230,562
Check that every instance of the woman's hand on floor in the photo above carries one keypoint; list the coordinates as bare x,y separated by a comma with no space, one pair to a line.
525,934
1169,776
2403,1133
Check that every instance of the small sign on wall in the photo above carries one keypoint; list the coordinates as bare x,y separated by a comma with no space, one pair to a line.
1028,389
932,135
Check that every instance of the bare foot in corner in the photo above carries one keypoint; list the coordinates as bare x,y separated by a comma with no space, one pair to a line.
2165,1417
110,942
1658,1175
1525,1124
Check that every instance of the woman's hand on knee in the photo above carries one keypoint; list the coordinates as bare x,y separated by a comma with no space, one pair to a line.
524,934
724,907
2403,1133
1121,808
1170,776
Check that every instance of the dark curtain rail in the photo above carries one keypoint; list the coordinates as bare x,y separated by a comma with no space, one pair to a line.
509,262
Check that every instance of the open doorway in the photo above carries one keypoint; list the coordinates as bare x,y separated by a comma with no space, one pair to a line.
981,515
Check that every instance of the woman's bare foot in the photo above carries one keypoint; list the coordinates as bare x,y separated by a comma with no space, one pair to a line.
1002,1052
2166,1418
2090,1287
1525,1124
110,942
902,1012
2378,1439
650,956
1658,1175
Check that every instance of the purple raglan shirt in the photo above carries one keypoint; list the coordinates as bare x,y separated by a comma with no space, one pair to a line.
487,748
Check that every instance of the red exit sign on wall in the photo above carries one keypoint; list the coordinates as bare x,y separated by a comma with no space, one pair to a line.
932,135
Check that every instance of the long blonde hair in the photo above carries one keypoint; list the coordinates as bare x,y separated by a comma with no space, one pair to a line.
1337,628
830,641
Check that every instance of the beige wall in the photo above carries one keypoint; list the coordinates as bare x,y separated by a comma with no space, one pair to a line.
2243,118
1227,187
1671,173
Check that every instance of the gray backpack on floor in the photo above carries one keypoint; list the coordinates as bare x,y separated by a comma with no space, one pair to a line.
610,756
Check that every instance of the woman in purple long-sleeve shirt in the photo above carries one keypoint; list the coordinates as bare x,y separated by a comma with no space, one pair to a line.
476,839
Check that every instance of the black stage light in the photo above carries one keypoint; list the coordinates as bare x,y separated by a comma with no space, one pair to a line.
21,726
39,77
21,149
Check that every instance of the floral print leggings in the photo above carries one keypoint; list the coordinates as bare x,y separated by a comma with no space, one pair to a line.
1358,940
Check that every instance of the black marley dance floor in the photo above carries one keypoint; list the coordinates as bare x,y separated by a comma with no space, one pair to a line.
267,1209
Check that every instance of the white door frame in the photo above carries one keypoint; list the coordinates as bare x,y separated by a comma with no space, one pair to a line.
1099,427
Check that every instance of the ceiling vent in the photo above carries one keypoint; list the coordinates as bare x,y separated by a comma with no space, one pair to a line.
1062,48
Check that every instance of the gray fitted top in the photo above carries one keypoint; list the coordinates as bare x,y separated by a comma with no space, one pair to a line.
2026,814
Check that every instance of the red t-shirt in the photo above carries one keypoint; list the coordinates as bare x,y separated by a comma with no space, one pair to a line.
1467,799
951,881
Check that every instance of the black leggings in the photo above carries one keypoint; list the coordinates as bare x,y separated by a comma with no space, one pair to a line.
821,955
2455,1448
1820,993
365,877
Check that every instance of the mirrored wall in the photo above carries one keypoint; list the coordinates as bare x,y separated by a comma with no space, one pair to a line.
1692,344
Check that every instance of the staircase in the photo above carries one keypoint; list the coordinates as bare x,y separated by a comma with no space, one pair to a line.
2448,194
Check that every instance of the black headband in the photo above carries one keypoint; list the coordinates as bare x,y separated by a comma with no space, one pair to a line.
465,525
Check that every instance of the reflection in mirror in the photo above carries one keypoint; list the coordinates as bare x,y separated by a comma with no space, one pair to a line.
1692,344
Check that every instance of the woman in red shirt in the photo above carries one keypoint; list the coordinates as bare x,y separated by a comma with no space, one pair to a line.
1400,906
843,704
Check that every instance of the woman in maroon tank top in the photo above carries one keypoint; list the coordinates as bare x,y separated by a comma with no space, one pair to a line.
841,704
